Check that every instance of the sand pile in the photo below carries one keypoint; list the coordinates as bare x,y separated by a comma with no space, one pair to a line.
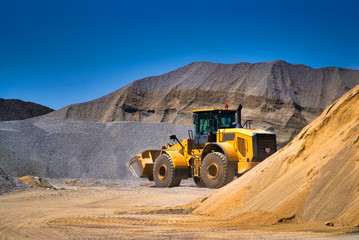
55,148
276,95
35,181
8,183
313,179
83,183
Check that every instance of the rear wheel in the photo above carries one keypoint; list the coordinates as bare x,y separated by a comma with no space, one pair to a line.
216,170
164,172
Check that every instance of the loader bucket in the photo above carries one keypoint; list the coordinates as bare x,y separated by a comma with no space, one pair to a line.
141,165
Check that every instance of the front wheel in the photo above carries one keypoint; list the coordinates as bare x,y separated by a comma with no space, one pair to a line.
164,172
216,170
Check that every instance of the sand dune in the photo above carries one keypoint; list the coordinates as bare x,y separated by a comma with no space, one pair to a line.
313,179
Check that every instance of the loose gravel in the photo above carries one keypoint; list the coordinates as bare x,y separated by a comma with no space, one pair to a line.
9,183
55,148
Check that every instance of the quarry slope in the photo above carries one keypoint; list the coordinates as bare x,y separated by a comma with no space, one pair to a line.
276,95
55,148
15,109
313,179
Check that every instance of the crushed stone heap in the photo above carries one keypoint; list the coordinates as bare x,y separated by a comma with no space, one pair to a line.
57,148
8,183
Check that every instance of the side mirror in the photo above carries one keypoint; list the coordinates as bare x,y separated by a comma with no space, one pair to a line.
173,137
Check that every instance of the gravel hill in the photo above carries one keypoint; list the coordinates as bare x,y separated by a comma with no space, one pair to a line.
50,147
276,95
14,109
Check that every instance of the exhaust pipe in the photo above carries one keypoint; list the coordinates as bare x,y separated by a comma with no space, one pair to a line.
239,117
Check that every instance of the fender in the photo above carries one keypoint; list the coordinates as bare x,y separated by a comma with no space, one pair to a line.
179,161
226,148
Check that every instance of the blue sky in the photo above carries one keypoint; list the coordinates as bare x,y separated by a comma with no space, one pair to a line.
59,52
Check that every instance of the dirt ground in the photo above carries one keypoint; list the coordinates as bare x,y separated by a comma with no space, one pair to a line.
131,210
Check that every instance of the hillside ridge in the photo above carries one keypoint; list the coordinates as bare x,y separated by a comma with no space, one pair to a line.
276,95
15,109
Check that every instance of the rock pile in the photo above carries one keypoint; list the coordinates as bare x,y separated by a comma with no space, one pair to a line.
8,183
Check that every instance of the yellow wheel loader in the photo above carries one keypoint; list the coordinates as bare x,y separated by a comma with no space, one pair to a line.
220,149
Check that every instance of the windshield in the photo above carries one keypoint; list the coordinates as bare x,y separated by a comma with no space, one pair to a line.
212,121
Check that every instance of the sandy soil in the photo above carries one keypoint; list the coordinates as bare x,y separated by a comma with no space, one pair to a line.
130,210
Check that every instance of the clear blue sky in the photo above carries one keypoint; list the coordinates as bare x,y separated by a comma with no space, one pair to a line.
59,52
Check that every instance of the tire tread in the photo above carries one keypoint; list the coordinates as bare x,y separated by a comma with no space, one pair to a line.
174,181
228,171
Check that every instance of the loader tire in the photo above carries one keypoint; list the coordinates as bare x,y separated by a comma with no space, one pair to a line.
198,181
164,172
216,170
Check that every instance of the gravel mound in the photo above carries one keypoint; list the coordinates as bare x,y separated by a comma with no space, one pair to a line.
276,95
313,179
14,109
8,183
54,148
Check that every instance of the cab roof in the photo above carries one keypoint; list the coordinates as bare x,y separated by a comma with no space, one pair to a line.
214,110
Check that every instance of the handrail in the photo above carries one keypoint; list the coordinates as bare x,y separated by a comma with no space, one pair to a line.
247,124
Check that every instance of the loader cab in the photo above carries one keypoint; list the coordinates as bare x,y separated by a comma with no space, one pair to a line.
208,121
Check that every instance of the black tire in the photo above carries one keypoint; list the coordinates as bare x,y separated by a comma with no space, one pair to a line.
164,172
216,170
198,181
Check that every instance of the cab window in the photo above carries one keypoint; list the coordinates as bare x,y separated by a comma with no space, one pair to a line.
212,121
227,120
204,123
